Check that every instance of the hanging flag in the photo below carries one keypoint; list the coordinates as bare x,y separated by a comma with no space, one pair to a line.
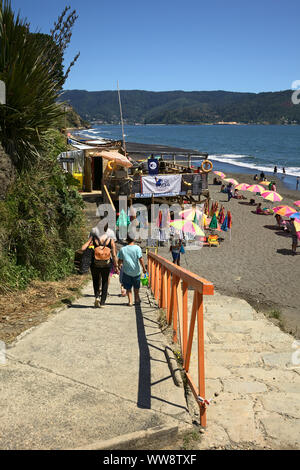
153,166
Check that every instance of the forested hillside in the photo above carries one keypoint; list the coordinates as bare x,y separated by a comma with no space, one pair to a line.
179,107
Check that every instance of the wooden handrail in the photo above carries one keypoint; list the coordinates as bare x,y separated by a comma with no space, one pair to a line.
193,280
169,284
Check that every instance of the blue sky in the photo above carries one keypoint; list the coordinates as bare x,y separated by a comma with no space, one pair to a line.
178,45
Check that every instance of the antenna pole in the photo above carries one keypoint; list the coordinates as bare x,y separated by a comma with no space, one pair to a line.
124,143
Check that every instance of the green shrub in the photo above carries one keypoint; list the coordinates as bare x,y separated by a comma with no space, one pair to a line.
42,222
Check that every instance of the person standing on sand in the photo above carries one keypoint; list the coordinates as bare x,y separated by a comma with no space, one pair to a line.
131,258
293,232
175,249
229,191
275,169
297,182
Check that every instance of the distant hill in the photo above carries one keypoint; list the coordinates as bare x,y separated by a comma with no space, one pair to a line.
180,107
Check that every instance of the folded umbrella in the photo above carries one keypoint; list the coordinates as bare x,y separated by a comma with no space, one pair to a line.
224,227
213,223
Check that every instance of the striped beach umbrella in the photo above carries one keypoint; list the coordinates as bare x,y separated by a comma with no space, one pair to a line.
297,203
231,180
187,226
297,227
192,214
219,173
242,187
256,188
296,215
285,211
272,196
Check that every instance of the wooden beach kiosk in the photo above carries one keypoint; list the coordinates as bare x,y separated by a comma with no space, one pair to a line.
107,171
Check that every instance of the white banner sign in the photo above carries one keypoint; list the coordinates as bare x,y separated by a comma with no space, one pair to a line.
160,185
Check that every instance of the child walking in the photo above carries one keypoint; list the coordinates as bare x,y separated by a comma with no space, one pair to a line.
131,259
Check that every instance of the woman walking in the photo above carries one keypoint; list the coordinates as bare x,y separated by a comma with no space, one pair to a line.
131,260
105,256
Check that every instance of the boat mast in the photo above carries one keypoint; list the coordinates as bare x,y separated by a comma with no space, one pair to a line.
124,143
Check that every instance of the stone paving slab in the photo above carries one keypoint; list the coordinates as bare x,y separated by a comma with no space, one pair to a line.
251,377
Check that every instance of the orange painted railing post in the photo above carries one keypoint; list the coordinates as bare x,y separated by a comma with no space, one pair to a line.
184,317
170,284
201,369
175,282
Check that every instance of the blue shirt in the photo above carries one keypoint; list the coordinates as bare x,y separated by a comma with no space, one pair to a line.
130,255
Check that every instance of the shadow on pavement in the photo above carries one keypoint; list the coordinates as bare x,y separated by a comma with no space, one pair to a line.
144,388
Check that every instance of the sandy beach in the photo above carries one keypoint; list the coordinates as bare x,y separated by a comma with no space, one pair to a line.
256,264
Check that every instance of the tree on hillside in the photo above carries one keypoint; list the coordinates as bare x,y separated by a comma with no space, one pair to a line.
31,67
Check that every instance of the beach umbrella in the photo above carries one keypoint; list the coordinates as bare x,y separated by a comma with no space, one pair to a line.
231,180
265,183
221,217
271,196
256,188
224,226
297,227
213,223
285,211
191,214
297,203
123,220
187,226
296,215
219,173
242,187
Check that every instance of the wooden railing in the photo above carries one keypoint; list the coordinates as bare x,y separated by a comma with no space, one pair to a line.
170,284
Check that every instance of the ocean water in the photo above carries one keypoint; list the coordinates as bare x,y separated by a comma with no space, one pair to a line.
232,148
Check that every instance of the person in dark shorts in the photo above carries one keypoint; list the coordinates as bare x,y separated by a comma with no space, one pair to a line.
101,269
131,259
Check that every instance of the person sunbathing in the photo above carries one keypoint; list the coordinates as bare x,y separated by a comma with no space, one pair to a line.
237,195
261,211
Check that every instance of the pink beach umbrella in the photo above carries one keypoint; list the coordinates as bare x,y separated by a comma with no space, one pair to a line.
191,214
242,187
297,203
231,180
285,211
256,188
219,173
271,196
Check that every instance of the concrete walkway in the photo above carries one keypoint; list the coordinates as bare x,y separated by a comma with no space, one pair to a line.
89,375
99,378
